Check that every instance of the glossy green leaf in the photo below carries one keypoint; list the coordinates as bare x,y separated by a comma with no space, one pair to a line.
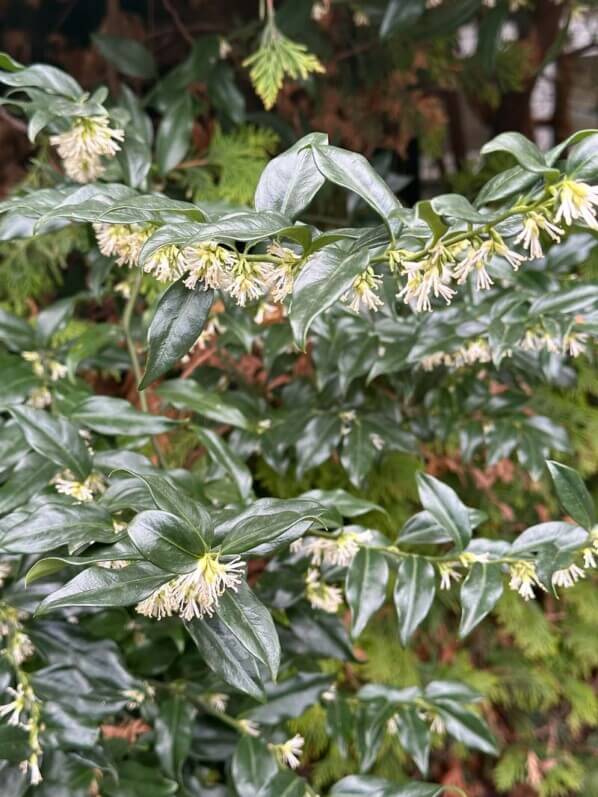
188,394
174,134
291,180
54,526
352,171
446,508
479,594
414,735
573,494
414,592
127,55
267,524
167,541
174,725
525,152
54,438
365,587
98,586
226,656
177,323
252,766
324,278
221,453
114,416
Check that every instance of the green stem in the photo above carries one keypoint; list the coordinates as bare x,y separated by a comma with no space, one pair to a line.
138,373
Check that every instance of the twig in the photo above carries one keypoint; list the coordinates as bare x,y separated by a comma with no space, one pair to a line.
178,22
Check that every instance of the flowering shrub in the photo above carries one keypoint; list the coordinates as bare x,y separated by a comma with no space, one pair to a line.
167,617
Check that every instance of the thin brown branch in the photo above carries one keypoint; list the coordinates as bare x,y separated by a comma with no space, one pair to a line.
178,22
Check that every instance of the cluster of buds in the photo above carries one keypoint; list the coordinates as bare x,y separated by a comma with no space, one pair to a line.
197,593
475,351
539,339
84,144
449,571
18,645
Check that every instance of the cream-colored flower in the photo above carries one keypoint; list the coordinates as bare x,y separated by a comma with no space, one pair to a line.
217,701
249,280
363,294
575,343
84,144
529,237
448,574
321,595
17,706
249,727
567,576
159,604
524,578
197,593
166,264
428,277
576,201
337,551
209,263
39,398
289,753
83,491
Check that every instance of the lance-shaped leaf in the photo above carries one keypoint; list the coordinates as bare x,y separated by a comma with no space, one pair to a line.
479,594
369,786
177,323
252,624
365,587
51,527
176,501
174,725
30,476
267,524
351,170
54,438
414,735
324,278
467,727
291,697
114,416
525,152
232,464
291,180
187,394
573,494
446,507
98,586
414,592
252,766
166,540
226,656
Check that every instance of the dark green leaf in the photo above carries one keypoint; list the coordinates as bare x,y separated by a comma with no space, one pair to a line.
174,134
54,526
446,508
479,594
414,592
114,416
98,586
573,494
54,438
189,395
324,278
365,587
177,323
167,541
127,55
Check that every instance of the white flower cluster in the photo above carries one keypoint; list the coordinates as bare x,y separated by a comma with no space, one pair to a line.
214,266
335,551
363,293
197,593
289,753
82,491
524,578
321,595
84,144
433,273
475,351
